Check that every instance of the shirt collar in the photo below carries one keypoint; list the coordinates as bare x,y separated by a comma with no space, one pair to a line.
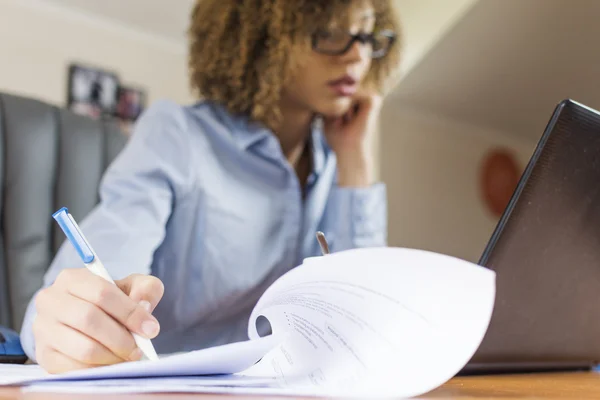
244,132
247,133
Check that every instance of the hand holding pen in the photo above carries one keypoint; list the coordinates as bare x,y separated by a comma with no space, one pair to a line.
84,319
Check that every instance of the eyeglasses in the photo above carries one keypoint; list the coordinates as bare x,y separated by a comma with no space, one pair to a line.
339,42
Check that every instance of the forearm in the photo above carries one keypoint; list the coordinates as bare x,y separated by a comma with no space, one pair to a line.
355,169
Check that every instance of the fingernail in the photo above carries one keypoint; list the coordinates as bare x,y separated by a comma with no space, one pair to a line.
150,328
146,305
136,355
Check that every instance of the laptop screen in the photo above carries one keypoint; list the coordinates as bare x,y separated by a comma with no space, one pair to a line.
546,250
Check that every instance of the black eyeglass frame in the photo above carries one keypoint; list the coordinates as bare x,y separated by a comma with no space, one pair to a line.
363,38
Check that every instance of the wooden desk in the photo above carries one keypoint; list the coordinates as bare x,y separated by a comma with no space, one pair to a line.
539,386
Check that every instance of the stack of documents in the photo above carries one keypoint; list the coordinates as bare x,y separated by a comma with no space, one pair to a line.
365,322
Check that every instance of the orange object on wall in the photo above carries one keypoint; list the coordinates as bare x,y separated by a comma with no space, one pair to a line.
500,175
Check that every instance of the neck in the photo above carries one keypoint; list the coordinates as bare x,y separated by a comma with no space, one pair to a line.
294,131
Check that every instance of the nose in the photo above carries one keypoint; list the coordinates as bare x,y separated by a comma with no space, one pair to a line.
357,53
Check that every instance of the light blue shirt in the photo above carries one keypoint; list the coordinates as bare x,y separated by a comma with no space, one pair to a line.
208,203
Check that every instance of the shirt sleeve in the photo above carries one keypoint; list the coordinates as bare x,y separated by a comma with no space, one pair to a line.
137,193
357,217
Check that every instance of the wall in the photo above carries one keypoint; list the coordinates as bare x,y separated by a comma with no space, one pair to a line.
430,165
425,23
38,41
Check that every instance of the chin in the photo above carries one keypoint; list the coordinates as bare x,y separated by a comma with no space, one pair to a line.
335,108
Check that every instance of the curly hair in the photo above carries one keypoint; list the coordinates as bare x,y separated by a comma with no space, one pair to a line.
242,51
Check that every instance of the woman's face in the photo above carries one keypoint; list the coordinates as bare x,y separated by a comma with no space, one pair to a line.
328,78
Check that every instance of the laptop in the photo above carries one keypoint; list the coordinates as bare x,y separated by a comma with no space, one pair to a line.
545,251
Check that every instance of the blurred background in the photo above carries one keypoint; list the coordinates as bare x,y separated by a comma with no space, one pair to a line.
480,81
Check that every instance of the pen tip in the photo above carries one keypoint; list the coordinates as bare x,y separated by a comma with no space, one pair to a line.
322,242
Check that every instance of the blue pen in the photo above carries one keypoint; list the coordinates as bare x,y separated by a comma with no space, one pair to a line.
92,262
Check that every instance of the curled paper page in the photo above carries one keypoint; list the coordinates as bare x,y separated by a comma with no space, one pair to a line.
226,359
383,322
374,322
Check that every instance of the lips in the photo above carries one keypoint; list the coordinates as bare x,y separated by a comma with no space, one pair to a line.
344,86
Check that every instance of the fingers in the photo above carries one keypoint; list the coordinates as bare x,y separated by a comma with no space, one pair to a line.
332,124
358,112
88,319
57,363
83,320
75,345
111,299
357,109
143,289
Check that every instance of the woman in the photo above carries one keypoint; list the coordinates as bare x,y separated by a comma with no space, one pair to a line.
211,203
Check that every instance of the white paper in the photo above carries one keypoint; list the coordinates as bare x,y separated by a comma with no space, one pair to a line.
368,322
157,388
153,385
375,322
13,373
232,384
226,359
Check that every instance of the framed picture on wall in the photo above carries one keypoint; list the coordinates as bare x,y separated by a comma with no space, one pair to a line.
92,91
131,101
